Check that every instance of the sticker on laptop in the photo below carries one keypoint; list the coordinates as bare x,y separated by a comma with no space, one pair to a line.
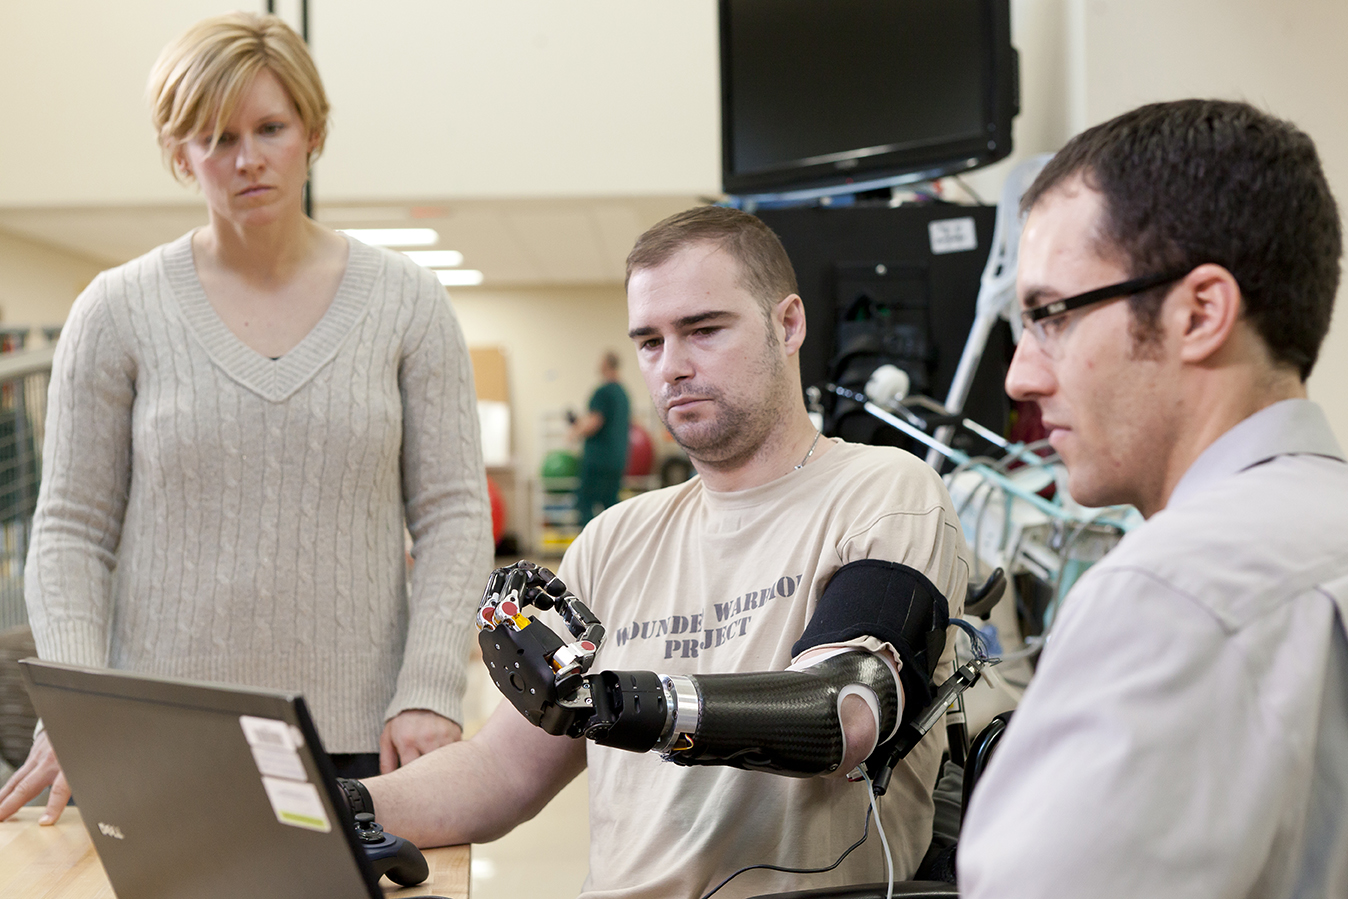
274,747
296,804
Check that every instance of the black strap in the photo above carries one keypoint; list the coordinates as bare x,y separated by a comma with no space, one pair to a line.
357,797
894,603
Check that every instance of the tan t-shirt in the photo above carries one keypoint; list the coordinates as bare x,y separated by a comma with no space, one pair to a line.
691,581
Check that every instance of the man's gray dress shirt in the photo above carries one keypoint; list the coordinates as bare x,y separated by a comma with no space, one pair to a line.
1186,733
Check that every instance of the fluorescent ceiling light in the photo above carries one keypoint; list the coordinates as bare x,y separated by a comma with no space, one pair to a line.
459,277
395,237
436,258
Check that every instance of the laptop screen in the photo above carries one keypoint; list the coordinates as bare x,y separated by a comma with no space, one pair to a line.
191,789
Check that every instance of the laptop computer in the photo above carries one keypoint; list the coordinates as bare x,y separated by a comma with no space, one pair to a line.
200,790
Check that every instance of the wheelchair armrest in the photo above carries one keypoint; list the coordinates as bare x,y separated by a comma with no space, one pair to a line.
980,753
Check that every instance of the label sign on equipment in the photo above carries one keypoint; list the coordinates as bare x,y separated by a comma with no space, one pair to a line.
952,235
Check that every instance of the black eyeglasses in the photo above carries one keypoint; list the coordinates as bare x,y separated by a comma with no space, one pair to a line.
1099,295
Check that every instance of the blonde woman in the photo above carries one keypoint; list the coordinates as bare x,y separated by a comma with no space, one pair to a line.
241,423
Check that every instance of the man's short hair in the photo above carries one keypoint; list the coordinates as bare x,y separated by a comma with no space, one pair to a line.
765,269
610,360
1195,181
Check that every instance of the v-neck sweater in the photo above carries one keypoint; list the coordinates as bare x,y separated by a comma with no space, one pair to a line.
210,513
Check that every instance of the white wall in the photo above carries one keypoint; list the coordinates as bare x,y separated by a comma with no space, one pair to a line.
38,283
520,98
452,98
77,127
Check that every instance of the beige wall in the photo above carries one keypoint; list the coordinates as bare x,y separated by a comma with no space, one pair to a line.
431,98
76,72
520,98
38,283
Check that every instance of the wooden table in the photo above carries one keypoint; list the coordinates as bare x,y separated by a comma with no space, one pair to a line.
58,862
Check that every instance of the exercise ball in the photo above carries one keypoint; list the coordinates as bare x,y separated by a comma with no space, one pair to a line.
560,464
498,510
640,451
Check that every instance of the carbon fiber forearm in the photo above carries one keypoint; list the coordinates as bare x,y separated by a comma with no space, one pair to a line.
783,721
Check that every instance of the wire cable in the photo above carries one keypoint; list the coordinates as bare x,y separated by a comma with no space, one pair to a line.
961,468
865,832
969,190
1032,449
1034,644
884,841
978,526
1065,556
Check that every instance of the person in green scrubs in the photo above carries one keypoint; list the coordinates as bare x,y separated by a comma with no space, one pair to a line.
604,429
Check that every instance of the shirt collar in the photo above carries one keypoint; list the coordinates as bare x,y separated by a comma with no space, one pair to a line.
1285,428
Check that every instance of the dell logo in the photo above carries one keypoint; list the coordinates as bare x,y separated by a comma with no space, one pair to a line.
110,830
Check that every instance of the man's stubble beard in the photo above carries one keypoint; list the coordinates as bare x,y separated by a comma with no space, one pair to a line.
736,431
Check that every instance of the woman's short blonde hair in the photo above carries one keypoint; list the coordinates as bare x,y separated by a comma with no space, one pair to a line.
199,79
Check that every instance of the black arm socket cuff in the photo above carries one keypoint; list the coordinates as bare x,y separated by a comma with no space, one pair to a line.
630,711
894,603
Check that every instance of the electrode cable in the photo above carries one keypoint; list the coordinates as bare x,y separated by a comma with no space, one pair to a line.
889,860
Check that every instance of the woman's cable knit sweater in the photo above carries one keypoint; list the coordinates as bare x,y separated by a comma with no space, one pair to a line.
209,513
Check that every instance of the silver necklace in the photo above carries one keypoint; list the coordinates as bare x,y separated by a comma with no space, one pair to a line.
810,453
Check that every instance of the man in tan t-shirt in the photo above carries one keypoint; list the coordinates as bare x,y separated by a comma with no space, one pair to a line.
720,574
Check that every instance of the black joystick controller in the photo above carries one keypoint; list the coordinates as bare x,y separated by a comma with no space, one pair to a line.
390,856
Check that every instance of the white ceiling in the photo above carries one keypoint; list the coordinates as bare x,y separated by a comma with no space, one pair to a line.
515,243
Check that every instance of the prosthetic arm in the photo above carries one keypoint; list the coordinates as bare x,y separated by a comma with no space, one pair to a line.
787,722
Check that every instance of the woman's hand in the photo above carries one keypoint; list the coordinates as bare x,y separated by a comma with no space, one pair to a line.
412,734
40,770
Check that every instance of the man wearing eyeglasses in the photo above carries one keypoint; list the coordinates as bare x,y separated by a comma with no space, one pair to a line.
1186,733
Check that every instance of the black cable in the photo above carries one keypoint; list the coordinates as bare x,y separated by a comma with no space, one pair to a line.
866,831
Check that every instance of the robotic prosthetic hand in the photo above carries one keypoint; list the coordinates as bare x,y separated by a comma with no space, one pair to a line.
785,722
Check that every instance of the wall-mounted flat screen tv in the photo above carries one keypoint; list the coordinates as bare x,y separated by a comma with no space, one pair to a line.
834,93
